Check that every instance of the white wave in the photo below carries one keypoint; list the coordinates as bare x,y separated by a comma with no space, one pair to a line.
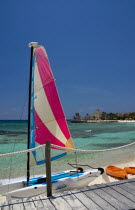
88,130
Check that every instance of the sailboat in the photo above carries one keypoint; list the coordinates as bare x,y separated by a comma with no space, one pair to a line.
46,122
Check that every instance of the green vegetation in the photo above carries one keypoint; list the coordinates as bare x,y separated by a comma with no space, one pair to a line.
118,116
97,115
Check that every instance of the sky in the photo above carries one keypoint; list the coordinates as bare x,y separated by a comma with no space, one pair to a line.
91,49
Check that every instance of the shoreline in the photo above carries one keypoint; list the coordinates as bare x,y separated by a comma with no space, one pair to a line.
126,121
102,121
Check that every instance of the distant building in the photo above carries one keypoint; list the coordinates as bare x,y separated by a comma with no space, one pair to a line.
97,115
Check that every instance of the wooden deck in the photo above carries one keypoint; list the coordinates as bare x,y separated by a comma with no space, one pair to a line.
115,195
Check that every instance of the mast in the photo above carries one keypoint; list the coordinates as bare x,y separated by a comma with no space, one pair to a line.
31,45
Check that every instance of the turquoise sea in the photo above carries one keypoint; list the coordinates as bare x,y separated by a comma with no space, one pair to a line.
89,136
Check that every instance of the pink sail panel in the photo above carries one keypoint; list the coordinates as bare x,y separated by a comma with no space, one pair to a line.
49,116
42,133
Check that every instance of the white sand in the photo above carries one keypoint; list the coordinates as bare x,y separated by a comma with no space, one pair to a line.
101,179
126,121
106,179
2,199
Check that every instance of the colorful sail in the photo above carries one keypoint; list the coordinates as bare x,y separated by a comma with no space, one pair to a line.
48,121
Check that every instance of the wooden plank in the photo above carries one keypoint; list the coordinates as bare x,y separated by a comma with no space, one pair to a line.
12,202
90,204
132,182
118,196
97,199
125,193
73,200
17,204
29,204
5,203
113,201
131,186
38,203
47,203
7,207
59,203
128,187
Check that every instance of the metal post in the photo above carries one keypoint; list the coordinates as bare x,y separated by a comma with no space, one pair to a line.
31,45
29,104
48,169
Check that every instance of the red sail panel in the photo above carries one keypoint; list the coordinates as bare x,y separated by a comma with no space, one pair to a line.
50,122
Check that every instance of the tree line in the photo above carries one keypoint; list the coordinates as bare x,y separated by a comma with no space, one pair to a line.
107,116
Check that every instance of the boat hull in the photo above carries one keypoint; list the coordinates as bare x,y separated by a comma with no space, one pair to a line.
116,172
10,187
75,181
130,170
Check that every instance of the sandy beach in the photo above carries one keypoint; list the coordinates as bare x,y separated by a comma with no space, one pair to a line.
106,179
101,179
126,121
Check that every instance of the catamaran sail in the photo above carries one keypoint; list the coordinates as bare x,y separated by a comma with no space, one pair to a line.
47,117
46,122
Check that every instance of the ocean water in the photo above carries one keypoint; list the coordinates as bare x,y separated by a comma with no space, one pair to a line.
89,136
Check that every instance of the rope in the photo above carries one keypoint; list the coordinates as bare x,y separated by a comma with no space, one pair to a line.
66,149
92,151
22,152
